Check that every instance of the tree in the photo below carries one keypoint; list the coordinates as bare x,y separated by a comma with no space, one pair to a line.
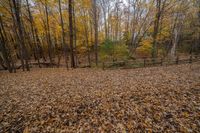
178,19
64,45
75,34
96,30
141,22
160,5
35,45
48,35
3,49
71,33
16,12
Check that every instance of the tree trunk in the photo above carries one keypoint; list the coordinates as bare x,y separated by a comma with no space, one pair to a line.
64,44
48,35
35,46
71,33
87,41
16,6
156,28
75,37
3,48
17,35
96,31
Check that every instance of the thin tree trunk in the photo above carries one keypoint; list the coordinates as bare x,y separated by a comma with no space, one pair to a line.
156,28
64,44
39,45
71,33
33,34
96,31
87,41
91,36
48,34
75,37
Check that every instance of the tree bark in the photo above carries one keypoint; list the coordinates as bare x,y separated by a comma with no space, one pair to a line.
96,31
64,44
156,28
16,6
75,36
48,34
87,39
3,48
71,33
17,36
35,46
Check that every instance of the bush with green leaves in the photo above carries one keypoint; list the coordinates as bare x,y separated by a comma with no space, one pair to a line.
110,50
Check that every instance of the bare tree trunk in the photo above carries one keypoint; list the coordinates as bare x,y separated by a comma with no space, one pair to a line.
36,51
17,36
96,31
10,38
156,28
128,19
71,33
104,6
3,48
41,52
64,44
87,41
91,35
75,37
48,35
16,6
117,23
174,44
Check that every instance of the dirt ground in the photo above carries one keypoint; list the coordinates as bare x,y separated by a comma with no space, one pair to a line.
158,99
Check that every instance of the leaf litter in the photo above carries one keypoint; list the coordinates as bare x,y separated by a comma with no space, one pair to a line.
160,99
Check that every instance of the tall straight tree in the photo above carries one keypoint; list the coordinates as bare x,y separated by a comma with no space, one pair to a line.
71,33
75,34
86,32
16,12
34,41
95,30
64,44
160,5
156,28
48,35
106,5
16,35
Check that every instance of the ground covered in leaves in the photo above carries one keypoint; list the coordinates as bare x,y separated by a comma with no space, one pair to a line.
92,100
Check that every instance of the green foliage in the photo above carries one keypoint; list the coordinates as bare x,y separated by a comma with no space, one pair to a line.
120,51
127,37
113,51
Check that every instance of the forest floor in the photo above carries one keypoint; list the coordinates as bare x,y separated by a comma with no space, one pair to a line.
92,100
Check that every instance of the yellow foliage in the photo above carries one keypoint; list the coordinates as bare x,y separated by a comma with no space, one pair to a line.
145,48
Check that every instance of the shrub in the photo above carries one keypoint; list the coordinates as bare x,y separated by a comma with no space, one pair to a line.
110,50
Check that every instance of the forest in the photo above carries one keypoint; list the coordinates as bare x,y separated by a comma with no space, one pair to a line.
99,66
75,33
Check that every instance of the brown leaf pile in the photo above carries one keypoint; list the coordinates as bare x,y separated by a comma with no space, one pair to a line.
93,100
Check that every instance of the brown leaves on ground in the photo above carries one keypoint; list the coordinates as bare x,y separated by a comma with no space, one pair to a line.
90,100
